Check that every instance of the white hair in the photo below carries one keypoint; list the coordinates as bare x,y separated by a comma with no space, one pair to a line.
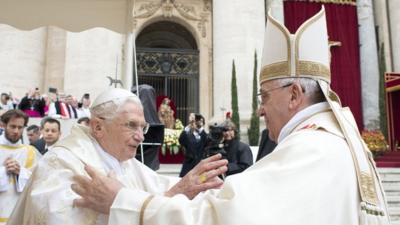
310,87
110,109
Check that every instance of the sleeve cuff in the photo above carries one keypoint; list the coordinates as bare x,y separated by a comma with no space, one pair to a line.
4,183
23,178
127,206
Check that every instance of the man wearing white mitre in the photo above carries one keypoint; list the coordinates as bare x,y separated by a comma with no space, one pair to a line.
117,126
321,172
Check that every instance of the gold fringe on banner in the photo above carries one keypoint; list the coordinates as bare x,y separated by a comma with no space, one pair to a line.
341,2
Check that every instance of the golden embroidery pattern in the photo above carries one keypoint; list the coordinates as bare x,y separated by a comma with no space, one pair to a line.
274,70
368,188
314,69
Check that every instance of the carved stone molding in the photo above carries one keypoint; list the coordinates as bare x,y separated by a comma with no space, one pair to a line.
148,9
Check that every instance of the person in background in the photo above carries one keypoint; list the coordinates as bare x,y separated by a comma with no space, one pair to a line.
33,104
193,139
47,101
33,133
6,102
59,108
266,145
238,154
16,161
50,129
83,106
72,106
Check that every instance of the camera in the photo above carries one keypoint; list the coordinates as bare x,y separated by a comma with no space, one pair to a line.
215,141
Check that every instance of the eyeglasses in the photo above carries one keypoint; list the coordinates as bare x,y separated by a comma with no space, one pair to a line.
134,126
263,95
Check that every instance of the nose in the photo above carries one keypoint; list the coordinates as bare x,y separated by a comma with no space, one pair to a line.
260,111
138,136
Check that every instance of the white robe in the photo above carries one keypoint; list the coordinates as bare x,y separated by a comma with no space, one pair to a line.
309,179
48,197
11,186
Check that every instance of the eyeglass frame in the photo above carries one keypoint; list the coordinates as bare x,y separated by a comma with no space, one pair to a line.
261,93
132,128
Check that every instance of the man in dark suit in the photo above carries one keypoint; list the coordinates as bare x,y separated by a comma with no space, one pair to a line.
266,145
194,140
51,132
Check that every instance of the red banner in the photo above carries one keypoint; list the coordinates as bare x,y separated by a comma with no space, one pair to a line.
343,29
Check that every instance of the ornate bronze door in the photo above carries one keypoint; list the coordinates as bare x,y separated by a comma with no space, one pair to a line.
173,73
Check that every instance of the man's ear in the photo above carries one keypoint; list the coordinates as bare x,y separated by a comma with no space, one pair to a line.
96,127
297,96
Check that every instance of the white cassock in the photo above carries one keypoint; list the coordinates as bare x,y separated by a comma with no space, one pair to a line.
309,179
11,186
48,197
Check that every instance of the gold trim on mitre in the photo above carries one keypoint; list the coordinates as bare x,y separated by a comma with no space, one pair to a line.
307,67
275,70
313,69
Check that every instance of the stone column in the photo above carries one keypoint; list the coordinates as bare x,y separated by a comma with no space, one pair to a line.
236,39
276,7
369,64
54,71
127,76
394,17
382,24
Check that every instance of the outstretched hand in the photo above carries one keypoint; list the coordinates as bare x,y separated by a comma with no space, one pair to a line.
98,192
202,177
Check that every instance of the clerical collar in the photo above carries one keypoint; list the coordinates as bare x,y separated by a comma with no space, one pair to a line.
5,141
300,117
110,163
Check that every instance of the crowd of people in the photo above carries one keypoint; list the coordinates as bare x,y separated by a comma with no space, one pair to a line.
55,105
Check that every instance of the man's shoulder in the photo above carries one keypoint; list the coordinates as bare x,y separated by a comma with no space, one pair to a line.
58,158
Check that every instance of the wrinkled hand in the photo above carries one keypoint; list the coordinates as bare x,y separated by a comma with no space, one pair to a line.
98,192
202,177
12,166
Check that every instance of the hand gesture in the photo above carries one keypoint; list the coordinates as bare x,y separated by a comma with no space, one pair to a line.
98,192
12,166
202,177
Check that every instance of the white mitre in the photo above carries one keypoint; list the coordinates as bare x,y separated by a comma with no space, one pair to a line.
306,54
112,95
303,54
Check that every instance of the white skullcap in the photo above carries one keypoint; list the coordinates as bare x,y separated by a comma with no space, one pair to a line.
112,95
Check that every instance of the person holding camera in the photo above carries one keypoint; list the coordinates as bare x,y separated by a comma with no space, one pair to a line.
238,154
33,104
194,139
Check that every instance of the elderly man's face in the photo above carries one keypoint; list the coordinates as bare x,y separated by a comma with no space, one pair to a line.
274,107
125,132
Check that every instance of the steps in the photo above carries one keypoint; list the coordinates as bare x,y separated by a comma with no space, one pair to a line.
391,184
389,159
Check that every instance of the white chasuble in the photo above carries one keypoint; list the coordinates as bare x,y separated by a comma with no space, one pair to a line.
309,179
48,198
11,186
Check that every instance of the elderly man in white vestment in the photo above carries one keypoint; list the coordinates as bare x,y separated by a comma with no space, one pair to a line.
320,173
109,145
16,161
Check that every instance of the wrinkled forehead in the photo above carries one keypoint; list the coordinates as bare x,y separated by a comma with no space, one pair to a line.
131,111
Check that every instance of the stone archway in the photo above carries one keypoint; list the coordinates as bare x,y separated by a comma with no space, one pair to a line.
168,60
